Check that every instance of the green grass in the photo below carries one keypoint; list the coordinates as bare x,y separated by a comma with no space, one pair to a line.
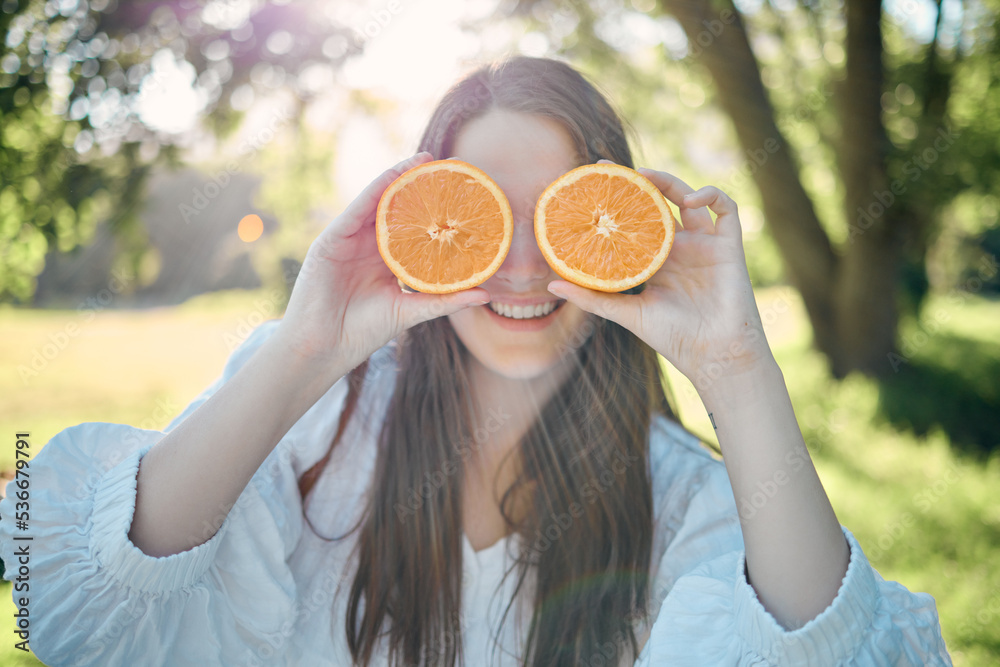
923,506
905,469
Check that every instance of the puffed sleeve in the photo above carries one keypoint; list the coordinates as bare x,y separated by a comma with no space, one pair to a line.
95,598
712,616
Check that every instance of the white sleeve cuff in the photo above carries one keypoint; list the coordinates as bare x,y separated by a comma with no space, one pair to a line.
114,507
830,638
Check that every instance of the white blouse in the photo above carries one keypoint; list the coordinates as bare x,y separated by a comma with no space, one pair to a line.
267,590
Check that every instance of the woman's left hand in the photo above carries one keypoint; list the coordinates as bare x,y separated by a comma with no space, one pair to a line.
698,309
699,312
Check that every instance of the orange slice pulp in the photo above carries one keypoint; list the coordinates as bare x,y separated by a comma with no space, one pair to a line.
443,226
604,226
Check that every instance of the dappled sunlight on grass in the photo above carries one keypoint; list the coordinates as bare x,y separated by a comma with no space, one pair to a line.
924,510
134,367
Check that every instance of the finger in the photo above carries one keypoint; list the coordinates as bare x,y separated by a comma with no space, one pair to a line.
605,161
417,307
620,308
727,222
362,209
675,190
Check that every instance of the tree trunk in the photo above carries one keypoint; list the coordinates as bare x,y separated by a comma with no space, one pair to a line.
867,280
850,298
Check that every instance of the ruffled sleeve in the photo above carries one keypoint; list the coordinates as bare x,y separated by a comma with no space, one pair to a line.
97,599
711,614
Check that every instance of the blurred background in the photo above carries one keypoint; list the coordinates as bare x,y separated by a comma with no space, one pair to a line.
165,165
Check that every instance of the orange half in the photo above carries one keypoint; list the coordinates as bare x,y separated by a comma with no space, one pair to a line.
443,226
604,226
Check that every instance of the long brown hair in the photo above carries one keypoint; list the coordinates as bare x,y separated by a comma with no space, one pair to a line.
583,468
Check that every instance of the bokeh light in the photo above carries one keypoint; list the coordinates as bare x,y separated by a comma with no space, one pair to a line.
250,228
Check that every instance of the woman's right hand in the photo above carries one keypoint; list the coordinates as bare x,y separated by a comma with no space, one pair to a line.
346,303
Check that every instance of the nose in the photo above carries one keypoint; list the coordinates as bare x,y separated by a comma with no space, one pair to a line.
524,267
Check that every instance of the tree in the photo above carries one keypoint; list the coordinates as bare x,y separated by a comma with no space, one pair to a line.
80,81
895,169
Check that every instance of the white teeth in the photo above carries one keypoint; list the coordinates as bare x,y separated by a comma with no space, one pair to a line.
523,312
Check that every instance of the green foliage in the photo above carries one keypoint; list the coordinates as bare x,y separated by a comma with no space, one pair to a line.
49,199
39,205
75,145
296,188
50,196
946,85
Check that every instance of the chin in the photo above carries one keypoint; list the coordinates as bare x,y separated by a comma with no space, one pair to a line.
518,365
522,355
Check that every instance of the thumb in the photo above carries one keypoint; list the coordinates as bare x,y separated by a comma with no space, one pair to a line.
619,308
417,307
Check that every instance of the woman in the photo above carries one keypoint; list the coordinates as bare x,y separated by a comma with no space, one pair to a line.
388,477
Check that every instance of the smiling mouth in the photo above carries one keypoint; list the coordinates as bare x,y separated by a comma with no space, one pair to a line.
525,312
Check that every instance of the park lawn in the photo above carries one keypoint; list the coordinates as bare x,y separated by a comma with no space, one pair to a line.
925,510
